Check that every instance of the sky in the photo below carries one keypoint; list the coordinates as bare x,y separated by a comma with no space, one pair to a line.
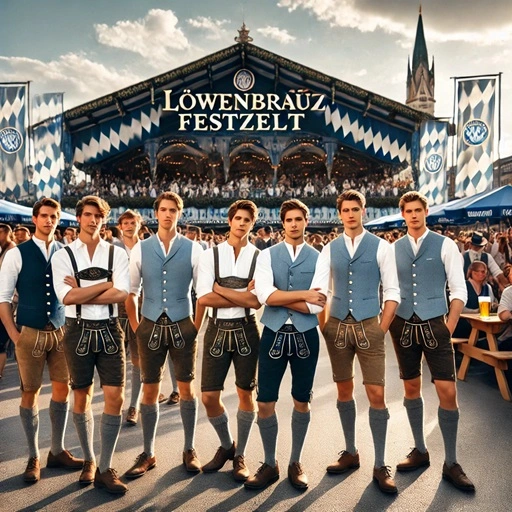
89,48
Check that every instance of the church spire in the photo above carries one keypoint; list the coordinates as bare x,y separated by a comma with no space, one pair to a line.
420,80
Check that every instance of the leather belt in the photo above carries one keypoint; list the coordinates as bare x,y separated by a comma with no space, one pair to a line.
232,323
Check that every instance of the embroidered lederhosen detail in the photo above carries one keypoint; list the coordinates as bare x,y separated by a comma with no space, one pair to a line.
165,328
95,332
232,332
285,337
45,337
416,327
357,329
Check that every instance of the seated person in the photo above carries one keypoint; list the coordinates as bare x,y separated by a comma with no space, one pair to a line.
477,286
505,314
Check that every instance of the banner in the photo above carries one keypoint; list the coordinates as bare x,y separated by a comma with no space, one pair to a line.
432,163
475,130
13,147
49,158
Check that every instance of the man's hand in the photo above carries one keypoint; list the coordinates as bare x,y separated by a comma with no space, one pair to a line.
71,281
314,296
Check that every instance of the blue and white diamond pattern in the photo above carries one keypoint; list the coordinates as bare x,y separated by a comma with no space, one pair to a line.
367,134
476,100
117,135
433,141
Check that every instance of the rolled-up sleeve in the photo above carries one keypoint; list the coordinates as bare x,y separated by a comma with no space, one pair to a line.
322,277
135,270
61,267
197,252
11,267
454,268
264,277
121,274
206,274
388,272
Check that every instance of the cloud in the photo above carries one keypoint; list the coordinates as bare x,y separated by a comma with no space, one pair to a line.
213,28
93,80
156,37
277,34
443,21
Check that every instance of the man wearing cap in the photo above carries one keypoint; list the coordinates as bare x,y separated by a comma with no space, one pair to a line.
21,234
40,316
476,253
264,239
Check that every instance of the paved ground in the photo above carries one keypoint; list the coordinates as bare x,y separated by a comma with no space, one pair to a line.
484,452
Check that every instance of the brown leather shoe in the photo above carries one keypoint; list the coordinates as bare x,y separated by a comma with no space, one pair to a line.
240,470
174,398
383,477
64,460
414,460
143,463
88,472
110,481
32,472
219,459
297,476
457,477
132,416
191,462
344,463
265,476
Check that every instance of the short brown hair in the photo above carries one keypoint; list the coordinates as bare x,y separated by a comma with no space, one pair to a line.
168,196
350,195
96,201
411,196
129,214
243,204
293,204
6,228
45,201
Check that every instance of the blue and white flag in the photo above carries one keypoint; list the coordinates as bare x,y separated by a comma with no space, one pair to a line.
475,129
432,164
13,147
49,158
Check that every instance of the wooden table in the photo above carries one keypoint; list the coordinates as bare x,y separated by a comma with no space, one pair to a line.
492,326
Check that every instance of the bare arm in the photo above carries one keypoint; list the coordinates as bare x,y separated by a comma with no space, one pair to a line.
214,300
199,316
84,295
245,299
132,310
8,321
456,306
284,298
112,296
388,313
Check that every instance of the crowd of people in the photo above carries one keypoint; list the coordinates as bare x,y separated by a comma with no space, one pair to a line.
78,300
248,186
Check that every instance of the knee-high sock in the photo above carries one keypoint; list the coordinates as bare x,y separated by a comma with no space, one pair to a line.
448,423
188,411
59,419
379,426
136,387
245,421
30,422
414,410
109,434
347,411
149,415
268,431
221,425
300,426
84,424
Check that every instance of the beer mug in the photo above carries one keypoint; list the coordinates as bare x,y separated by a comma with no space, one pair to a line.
484,304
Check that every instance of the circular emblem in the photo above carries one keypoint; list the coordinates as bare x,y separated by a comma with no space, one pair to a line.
244,80
475,132
11,140
433,163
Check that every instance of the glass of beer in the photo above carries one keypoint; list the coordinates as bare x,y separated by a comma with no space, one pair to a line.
485,306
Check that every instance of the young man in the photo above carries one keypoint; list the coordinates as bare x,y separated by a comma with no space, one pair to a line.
426,263
40,315
129,223
354,266
91,277
283,282
166,264
224,286
21,234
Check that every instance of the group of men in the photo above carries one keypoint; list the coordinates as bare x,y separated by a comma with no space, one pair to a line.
68,316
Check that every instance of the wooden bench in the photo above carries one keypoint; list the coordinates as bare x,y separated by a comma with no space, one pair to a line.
456,341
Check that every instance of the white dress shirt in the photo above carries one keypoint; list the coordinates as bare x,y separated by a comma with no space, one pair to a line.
62,267
136,263
385,261
228,266
11,267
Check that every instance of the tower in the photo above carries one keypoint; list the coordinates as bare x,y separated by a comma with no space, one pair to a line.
420,80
